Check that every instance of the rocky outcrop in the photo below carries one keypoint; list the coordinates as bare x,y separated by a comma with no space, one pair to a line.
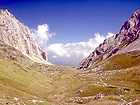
126,40
19,36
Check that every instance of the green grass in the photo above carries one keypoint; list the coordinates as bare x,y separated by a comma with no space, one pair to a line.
122,61
92,90
17,80
28,81
22,78
126,78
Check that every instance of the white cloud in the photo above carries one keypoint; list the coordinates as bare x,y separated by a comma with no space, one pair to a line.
42,34
69,53
73,53
109,34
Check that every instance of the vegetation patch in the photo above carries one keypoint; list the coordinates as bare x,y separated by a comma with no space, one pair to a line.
122,61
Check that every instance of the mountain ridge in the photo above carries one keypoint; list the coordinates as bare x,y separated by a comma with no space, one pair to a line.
19,36
128,34
26,82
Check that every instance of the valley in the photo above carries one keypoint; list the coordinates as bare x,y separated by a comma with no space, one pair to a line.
108,76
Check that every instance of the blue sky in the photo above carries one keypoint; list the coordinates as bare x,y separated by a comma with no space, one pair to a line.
73,20
80,25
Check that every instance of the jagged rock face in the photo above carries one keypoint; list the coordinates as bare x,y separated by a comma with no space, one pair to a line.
16,34
124,41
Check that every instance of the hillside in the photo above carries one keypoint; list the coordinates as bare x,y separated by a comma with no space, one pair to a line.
19,36
25,81
29,83
126,40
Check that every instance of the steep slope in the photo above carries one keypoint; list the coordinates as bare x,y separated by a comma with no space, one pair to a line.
116,64
16,34
124,41
112,81
29,83
23,82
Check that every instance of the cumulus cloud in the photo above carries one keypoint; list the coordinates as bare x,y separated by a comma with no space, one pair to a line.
42,34
68,53
109,34
73,53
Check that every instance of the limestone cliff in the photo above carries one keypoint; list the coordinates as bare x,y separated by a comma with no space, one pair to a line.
127,39
19,36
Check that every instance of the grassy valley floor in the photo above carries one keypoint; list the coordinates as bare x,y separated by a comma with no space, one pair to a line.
23,82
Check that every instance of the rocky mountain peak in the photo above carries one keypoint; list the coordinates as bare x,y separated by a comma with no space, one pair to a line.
124,41
19,36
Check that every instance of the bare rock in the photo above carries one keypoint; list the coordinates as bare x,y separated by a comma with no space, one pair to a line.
127,39
19,36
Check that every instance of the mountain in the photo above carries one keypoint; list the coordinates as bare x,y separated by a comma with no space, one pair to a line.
26,79
126,40
19,36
